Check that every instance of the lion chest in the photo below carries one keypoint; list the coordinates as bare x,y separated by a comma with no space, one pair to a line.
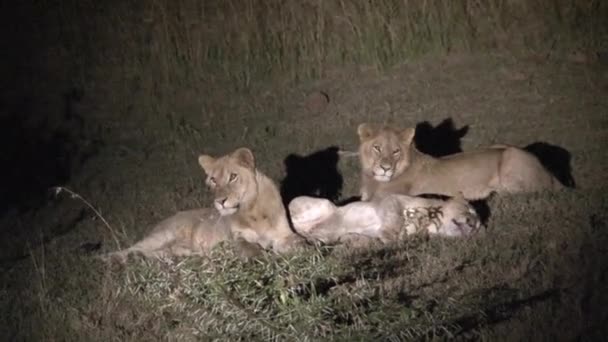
403,184
257,222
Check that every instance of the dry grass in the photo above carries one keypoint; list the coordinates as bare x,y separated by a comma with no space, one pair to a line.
164,81
531,277
243,41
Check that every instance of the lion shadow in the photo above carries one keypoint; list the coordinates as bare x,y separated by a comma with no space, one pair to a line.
556,159
314,175
440,140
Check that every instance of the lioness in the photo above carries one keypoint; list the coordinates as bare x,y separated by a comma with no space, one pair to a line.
387,219
248,210
391,164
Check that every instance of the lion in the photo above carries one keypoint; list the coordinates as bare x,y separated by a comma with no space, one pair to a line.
391,164
388,219
248,211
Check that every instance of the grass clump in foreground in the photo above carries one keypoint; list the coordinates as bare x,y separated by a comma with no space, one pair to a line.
318,293
519,273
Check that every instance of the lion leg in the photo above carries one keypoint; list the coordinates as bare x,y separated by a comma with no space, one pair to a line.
191,232
521,171
308,212
153,245
368,188
319,220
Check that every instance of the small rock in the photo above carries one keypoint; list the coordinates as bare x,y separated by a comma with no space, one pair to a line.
317,101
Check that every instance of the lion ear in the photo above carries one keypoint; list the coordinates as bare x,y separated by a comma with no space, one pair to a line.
366,131
407,135
206,162
244,157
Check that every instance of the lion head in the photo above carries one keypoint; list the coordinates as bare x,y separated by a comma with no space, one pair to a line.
384,151
232,179
460,218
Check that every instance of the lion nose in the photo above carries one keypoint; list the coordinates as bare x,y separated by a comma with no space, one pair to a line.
385,167
221,201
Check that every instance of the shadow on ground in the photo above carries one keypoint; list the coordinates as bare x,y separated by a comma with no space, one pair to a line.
440,140
555,159
314,175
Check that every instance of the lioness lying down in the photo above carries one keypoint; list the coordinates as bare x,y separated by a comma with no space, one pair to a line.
248,210
391,164
387,219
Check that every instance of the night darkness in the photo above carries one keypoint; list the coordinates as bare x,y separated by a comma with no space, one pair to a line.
116,100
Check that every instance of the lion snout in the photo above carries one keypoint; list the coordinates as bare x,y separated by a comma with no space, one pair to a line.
383,171
225,206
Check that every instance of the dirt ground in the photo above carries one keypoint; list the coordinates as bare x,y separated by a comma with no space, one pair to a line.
538,272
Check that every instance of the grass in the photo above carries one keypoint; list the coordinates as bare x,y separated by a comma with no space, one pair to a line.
244,41
74,195
164,81
416,289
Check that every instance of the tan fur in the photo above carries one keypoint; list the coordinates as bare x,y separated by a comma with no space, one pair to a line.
192,232
248,210
392,165
387,219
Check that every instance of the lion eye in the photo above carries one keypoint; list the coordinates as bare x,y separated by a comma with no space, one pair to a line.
377,149
233,177
211,181
396,152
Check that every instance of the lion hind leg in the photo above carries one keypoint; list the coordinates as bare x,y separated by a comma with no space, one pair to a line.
308,212
157,244
521,171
